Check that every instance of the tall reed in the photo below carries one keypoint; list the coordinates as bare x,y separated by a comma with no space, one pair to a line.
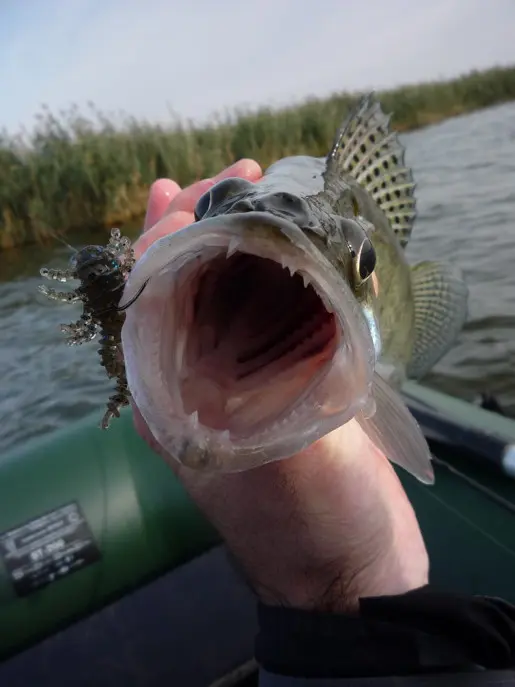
87,171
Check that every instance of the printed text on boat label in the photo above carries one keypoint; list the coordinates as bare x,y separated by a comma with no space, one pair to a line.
47,548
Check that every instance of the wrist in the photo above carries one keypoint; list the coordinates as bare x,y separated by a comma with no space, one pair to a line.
337,587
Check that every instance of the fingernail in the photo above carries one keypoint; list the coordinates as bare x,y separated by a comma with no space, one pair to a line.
162,192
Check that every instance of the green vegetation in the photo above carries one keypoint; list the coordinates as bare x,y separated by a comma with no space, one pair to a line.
73,172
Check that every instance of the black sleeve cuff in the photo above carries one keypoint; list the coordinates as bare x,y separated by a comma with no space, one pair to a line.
419,632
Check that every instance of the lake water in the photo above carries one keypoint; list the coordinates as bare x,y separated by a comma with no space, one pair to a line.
465,170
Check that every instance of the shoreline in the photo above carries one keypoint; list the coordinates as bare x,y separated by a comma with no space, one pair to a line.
92,173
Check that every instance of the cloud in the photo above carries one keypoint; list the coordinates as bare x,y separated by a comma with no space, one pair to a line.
200,56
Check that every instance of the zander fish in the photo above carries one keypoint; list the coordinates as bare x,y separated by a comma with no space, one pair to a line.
288,309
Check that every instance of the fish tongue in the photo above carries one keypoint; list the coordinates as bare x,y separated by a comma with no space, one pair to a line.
395,432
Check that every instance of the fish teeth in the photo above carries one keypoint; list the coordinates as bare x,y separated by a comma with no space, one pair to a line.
233,246
306,279
288,266
193,420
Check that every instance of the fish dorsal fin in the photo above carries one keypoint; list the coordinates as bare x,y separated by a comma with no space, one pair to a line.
367,149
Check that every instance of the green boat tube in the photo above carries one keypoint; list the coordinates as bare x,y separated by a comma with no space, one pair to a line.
87,516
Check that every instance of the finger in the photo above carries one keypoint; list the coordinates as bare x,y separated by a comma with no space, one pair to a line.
174,222
245,169
186,200
162,192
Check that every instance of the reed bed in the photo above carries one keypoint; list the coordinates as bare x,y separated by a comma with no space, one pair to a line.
77,171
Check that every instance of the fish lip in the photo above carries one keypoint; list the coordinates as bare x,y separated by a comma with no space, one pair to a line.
200,447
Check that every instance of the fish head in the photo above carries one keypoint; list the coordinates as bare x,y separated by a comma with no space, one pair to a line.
249,342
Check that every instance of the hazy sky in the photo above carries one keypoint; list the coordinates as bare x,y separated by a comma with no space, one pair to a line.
199,56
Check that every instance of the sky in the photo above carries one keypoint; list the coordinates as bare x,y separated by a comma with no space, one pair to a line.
197,57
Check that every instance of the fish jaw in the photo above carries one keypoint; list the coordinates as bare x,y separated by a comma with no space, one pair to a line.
246,345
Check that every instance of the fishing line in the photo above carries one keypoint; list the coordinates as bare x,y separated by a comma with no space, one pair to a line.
59,238
460,515
473,524
504,503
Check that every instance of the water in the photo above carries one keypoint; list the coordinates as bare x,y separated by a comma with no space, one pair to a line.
465,169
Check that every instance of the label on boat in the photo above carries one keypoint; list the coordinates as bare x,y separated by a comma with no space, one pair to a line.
48,548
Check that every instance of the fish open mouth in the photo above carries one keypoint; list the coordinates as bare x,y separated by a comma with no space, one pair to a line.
256,338
243,347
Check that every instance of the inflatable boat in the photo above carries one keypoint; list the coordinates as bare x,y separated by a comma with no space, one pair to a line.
109,575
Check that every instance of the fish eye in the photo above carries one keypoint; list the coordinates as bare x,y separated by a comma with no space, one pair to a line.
363,254
364,262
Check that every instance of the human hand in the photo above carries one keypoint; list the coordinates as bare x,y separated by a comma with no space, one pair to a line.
315,531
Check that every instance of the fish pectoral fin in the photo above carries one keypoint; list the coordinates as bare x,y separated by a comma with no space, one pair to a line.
395,432
440,297
367,149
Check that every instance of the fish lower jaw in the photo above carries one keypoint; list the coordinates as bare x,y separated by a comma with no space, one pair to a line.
249,361
202,448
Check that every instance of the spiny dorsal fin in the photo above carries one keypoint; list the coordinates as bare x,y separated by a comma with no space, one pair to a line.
369,151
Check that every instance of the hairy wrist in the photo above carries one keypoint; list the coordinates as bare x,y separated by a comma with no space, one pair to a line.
337,596
338,587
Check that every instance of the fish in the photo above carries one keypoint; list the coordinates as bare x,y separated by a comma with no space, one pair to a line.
288,308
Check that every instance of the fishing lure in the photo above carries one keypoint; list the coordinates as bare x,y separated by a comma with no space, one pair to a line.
101,271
